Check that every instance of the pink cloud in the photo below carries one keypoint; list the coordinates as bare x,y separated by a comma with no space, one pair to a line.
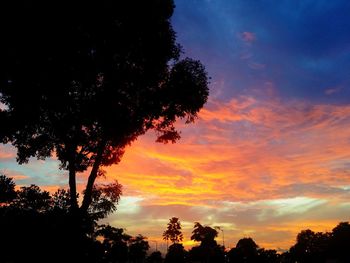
14,175
7,152
236,166
332,90
246,55
248,37
244,150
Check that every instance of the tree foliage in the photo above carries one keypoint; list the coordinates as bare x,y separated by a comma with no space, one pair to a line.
104,199
208,250
85,84
155,257
114,243
268,256
43,230
7,189
176,254
246,251
173,232
331,246
311,246
33,198
340,242
138,247
204,234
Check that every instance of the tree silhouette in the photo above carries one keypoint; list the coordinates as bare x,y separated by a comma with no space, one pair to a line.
44,231
60,200
85,84
176,254
268,256
173,231
155,257
204,234
311,246
138,248
246,251
7,190
33,198
114,242
208,250
340,242
29,221
104,200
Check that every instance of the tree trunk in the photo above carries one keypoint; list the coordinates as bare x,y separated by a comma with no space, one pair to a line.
72,187
92,177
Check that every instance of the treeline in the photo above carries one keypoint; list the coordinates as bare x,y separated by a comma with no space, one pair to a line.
36,226
310,247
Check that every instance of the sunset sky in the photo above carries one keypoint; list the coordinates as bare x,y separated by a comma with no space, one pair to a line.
270,152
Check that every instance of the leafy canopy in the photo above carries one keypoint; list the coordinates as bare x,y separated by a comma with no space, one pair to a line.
7,189
204,234
173,231
85,79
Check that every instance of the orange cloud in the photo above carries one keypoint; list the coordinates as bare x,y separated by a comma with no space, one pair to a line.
268,144
246,150
260,168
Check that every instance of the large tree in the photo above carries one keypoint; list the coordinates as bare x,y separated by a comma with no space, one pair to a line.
82,80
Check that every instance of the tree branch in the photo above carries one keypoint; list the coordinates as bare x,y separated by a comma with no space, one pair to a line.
92,177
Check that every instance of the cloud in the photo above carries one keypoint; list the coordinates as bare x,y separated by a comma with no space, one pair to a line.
252,165
7,152
242,143
256,165
333,90
255,65
248,37
15,176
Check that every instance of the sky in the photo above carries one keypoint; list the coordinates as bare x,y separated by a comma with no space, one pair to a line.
269,154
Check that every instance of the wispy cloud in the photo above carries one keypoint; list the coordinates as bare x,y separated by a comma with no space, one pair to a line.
332,90
253,164
248,37
271,161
